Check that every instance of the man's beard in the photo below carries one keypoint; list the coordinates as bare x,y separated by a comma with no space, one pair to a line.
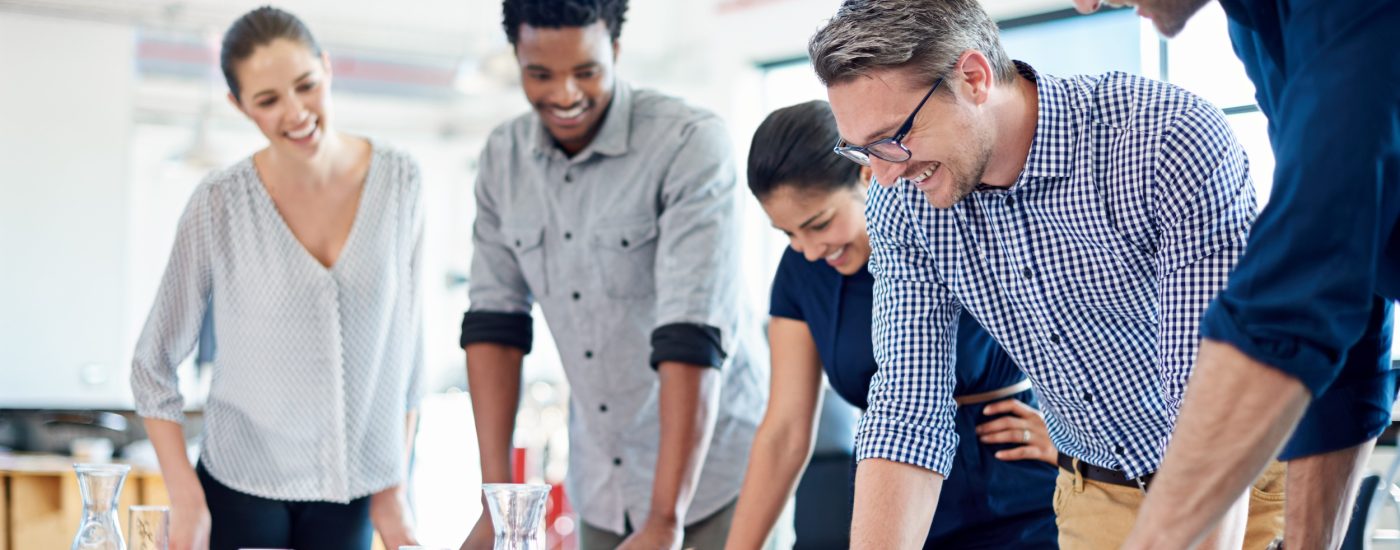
965,183
1170,16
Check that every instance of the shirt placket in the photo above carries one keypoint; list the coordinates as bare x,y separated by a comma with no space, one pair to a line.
586,339
1013,230
337,461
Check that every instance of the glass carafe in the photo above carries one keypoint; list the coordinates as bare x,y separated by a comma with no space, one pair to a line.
517,512
100,484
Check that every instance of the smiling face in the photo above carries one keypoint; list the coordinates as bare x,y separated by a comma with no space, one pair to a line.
285,90
950,142
821,224
567,75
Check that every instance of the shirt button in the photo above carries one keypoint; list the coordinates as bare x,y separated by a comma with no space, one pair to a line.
603,407
1121,450
1028,273
568,235
517,243
1088,397
576,296
617,461
625,243
1054,338
1010,201
588,354
568,178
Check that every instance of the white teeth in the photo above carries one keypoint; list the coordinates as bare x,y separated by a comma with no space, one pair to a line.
571,113
834,255
305,131
925,174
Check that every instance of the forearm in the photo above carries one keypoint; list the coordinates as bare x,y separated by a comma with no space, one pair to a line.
779,455
493,380
1321,489
168,439
1235,418
689,402
894,504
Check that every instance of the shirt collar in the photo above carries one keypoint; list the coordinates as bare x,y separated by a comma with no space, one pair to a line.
1056,127
612,137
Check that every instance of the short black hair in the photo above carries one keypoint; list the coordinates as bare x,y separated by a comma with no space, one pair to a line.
793,147
259,28
555,14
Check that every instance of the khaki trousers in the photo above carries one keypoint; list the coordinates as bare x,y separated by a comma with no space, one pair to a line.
1093,515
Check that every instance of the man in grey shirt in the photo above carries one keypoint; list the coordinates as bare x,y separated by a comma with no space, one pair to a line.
617,210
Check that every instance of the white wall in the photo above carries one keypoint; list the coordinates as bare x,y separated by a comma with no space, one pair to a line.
65,117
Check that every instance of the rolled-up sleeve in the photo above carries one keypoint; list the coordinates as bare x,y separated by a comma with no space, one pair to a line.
173,325
911,411
697,250
500,298
1205,204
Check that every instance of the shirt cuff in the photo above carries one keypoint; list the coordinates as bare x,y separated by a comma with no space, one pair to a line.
927,447
1310,365
1351,412
516,330
688,343
172,410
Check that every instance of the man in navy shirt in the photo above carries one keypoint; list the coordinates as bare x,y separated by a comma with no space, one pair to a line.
1301,334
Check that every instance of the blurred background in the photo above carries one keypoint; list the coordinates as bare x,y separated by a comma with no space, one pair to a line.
112,110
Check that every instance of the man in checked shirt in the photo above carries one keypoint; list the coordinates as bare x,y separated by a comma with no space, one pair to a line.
1085,221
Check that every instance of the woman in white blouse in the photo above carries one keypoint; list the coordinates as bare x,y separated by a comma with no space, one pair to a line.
307,251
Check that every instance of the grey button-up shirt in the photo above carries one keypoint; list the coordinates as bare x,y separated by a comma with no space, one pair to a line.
638,231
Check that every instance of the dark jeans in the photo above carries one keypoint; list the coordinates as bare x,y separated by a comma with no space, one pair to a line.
245,521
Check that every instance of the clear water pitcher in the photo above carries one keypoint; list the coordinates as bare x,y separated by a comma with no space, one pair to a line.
101,485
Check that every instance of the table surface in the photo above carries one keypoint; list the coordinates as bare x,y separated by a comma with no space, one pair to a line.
49,464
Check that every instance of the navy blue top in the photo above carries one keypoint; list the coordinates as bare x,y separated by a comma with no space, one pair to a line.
996,503
837,310
1311,294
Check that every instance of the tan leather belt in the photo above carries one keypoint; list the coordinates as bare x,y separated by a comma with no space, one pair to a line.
988,396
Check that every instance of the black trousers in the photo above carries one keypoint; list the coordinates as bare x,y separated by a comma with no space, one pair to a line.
241,520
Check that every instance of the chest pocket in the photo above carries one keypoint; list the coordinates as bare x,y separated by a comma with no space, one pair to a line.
527,243
627,259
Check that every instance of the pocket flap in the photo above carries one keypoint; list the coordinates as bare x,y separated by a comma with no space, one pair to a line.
523,238
627,237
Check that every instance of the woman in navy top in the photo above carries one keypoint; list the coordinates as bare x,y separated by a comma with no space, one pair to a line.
999,494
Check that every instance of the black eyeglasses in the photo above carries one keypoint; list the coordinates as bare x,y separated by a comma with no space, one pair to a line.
890,149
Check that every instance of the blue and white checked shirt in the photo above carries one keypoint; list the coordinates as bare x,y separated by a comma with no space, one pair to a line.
1092,270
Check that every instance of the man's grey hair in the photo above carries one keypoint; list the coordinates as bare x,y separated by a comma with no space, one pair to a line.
927,36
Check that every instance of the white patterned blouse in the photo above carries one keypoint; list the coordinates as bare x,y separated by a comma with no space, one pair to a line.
316,367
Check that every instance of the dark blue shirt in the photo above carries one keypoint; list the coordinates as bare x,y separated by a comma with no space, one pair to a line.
837,310
1311,295
995,503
